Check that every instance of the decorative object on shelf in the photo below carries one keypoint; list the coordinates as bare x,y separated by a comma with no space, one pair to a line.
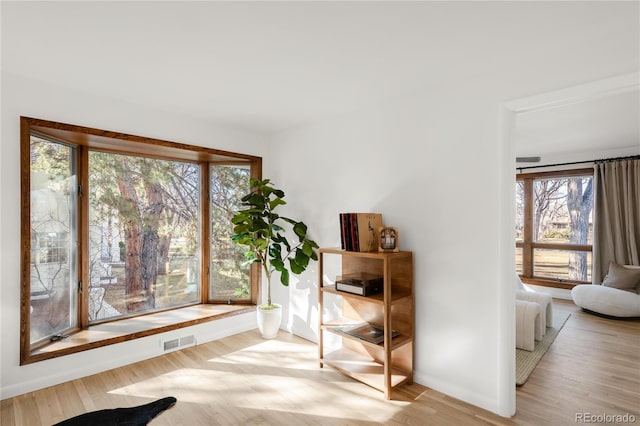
367,332
259,227
388,241
359,231
360,283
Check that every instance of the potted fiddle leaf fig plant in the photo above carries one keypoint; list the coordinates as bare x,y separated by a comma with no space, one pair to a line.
261,228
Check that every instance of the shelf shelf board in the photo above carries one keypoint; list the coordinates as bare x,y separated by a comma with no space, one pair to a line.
332,327
363,368
369,254
340,322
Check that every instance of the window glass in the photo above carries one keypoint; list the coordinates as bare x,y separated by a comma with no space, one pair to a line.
53,277
562,264
144,235
519,269
563,210
230,274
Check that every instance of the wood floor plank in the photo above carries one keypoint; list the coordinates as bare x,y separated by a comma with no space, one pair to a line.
592,367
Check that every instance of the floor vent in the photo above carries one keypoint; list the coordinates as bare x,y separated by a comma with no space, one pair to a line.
178,343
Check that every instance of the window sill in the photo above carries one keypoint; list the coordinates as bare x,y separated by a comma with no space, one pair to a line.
566,285
133,328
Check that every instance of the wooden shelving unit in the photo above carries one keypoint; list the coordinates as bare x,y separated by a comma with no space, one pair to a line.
382,366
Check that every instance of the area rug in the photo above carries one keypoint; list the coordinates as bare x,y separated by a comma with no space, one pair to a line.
526,361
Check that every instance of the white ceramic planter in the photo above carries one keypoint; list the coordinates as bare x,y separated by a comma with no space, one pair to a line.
269,321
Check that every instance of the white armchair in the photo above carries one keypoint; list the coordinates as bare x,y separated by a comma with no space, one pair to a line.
617,296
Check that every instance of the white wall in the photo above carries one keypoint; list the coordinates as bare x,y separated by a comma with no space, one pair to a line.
431,165
34,99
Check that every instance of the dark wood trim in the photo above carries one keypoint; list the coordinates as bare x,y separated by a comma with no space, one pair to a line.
205,231
25,236
527,251
562,246
109,140
556,173
83,237
256,268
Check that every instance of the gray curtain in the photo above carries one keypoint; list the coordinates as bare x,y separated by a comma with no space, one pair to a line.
616,221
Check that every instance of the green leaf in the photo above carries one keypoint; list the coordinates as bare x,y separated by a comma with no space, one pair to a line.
251,257
300,229
276,202
284,277
241,229
275,251
286,244
278,264
301,259
236,238
278,238
295,267
238,218
259,226
307,248
260,243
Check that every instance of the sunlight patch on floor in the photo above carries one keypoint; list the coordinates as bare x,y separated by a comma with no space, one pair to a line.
270,375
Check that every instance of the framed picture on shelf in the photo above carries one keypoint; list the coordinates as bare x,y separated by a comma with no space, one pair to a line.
388,241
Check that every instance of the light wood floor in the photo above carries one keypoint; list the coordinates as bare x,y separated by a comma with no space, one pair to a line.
592,367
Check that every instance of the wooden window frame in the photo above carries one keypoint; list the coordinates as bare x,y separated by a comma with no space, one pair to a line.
86,139
528,245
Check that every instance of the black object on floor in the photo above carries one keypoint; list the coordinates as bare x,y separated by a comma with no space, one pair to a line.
131,416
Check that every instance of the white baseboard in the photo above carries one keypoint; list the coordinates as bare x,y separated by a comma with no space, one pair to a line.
465,395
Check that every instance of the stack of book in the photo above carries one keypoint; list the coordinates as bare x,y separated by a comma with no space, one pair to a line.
360,231
368,332
360,283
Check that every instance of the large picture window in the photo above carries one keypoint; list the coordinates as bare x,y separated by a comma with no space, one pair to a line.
144,234
554,227
116,226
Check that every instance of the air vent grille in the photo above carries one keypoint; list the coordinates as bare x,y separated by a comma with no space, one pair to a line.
178,343
189,340
168,345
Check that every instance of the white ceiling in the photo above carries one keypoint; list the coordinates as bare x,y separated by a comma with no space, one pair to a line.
268,66
598,126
